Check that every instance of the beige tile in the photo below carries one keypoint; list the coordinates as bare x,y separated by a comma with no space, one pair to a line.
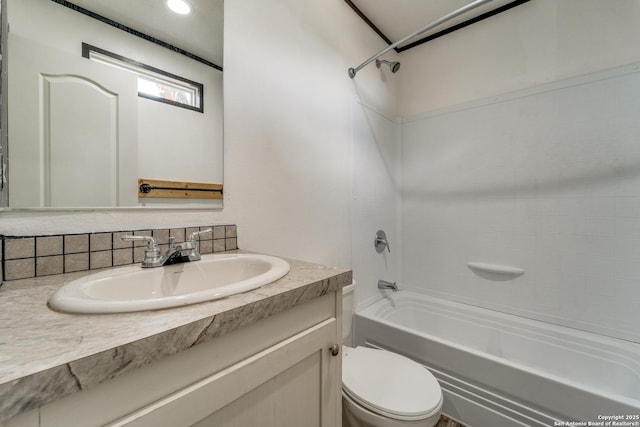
231,231
138,255
48,245
161,236
19,268
20,248
122,256
141,233
118,243
100,259
206,246
218,245
100,242
209,235
178,233
76,262
76,243
190,230
218,232
48,265
231,244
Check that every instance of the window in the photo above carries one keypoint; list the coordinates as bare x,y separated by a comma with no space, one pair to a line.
153,83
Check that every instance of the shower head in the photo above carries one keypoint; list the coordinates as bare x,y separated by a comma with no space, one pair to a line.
394,66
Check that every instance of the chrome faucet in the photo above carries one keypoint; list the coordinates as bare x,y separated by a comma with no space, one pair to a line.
383,284
177,253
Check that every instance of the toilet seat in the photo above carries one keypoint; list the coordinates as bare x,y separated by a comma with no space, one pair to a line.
389,384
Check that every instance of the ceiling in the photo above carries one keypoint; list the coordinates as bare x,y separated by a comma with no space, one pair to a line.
397,19
200,32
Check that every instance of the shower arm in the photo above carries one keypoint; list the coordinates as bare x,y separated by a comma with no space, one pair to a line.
454,14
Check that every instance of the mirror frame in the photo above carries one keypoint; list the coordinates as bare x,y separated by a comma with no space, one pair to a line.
4,115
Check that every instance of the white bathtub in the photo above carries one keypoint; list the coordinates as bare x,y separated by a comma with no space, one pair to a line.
501,370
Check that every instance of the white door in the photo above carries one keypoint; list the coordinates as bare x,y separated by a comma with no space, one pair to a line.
72,130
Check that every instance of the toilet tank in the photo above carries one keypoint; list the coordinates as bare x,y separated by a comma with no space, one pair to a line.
348,296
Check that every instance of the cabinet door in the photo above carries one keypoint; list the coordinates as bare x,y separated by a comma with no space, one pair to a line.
294,383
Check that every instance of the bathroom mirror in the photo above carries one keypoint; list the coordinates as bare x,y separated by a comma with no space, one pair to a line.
80,132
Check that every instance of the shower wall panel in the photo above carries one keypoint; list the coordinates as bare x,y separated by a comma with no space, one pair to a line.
545,179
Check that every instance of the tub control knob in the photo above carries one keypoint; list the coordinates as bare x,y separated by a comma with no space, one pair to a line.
334,349
380,242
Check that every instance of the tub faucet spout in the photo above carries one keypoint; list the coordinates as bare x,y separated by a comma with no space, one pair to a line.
383,284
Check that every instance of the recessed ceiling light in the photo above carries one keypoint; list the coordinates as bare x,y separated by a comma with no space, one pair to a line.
179,6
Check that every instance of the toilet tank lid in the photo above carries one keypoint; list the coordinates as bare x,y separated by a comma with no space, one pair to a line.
390,384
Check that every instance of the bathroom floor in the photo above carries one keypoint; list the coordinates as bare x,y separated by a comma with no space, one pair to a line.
447,422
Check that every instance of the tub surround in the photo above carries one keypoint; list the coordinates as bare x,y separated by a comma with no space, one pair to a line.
534,180
25,257
46,355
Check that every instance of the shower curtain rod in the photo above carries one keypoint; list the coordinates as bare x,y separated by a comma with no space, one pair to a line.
454,14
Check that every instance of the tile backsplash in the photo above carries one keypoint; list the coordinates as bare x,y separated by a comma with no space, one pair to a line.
24,257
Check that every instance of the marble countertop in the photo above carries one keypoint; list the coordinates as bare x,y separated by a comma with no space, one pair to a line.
45,355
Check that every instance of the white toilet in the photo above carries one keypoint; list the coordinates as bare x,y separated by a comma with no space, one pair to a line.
384,389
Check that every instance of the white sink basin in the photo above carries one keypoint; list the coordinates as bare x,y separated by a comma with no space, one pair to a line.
133,288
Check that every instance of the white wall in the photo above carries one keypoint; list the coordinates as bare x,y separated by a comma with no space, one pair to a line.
376,201
288,122
538,42
547,180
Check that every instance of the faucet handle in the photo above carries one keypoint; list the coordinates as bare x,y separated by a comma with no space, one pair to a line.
151,242
151,252
192,237
380,242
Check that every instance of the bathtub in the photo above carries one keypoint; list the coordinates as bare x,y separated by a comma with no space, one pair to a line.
499,370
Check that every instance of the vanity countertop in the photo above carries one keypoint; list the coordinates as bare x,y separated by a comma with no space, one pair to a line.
45,355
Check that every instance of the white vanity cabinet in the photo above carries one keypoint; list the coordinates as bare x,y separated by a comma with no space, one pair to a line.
279,371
